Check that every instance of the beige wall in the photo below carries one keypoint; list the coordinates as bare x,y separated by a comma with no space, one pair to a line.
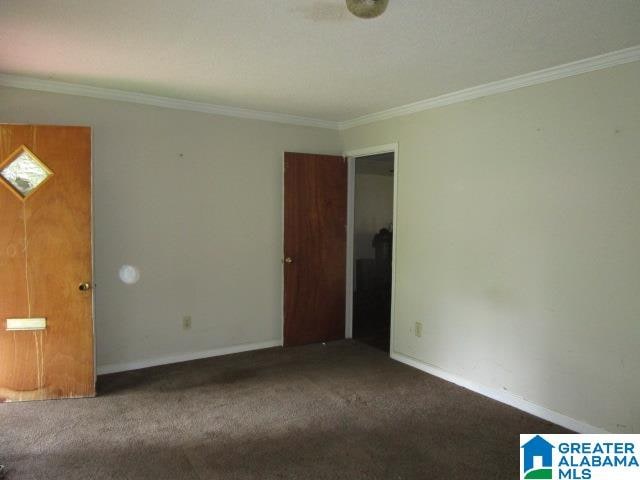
193,200
518,242
517,235
373,209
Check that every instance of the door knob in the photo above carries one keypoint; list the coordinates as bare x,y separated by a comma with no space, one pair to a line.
83,287
288,260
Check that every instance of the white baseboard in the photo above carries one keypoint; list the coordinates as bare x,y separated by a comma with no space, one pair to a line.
185,357
502,396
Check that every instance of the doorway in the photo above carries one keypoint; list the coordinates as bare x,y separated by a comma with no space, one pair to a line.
320,259
372,240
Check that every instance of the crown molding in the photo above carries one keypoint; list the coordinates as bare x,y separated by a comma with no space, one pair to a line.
29,83
586,65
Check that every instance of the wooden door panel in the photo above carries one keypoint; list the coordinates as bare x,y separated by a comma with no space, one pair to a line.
315,239
45,253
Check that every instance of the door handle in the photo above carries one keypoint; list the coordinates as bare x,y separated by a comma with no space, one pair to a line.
83,287
288,260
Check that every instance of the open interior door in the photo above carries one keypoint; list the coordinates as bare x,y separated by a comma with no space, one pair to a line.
46,323
315,242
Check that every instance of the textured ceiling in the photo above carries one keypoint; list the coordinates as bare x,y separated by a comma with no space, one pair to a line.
304,57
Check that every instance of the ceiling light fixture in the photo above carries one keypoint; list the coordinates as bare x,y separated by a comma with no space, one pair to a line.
367,8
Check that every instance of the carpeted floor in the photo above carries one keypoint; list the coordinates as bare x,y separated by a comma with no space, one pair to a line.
344,410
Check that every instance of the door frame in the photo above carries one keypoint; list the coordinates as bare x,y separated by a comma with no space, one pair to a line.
351,156
93,263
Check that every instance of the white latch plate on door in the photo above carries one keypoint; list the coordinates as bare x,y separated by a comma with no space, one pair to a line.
17,324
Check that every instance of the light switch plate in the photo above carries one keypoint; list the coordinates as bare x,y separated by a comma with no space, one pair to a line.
19,324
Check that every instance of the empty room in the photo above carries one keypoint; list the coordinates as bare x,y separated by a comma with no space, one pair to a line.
319,239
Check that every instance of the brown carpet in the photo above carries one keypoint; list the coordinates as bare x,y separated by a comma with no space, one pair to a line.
344,410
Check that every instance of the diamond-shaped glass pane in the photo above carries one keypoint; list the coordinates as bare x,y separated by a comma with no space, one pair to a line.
25,172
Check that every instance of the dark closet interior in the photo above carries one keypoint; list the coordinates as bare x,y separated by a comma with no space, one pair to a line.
373,242
372,296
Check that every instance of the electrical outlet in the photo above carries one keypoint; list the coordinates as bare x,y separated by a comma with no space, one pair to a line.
418,329
186,322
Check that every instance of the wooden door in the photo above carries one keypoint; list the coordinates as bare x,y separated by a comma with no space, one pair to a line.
45,263
315,242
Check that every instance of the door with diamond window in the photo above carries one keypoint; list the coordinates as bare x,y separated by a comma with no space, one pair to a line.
46,303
